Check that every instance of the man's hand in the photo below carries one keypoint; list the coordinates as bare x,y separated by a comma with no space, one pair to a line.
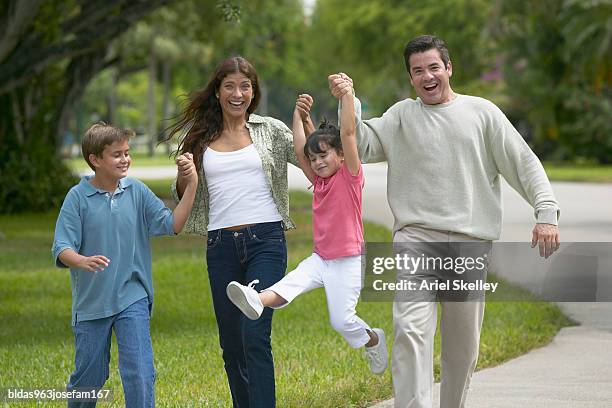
186,168
303,105
546,237
340,84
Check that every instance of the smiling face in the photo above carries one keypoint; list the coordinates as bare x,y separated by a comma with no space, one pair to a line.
430,78
326,163
235,94
114,162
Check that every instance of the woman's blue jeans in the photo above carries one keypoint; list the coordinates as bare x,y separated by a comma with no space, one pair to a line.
256,252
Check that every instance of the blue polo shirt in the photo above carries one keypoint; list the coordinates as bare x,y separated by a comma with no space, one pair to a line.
118,226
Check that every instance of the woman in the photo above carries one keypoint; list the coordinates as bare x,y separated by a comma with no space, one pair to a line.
242,205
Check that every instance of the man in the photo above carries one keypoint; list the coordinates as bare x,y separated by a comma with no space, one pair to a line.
445,154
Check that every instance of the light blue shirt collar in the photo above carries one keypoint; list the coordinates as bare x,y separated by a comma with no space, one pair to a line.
91,190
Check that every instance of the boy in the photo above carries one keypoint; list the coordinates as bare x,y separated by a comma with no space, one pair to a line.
102,235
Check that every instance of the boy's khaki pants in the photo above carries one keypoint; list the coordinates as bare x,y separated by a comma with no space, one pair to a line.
414,329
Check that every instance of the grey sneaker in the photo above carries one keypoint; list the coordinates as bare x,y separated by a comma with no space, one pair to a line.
377,355
245,298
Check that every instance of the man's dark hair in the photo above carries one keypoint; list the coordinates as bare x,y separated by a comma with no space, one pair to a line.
424,43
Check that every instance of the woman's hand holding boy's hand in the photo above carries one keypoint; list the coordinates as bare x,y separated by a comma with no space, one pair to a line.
303,105
186,168
188,174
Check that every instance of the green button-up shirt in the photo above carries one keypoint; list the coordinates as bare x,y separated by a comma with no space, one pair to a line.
273,141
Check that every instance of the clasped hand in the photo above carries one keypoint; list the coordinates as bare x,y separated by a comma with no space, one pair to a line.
303,105
340,84
186,168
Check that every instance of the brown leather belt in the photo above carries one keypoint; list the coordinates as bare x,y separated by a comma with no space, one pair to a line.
238,227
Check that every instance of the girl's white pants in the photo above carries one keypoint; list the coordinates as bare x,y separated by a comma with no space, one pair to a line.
341,279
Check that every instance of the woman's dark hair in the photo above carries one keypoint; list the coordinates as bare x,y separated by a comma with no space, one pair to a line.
203,116
326,133
424,43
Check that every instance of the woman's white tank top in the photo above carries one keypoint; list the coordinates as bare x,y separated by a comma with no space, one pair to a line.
237,188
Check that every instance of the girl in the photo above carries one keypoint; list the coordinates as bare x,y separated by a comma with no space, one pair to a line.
329,159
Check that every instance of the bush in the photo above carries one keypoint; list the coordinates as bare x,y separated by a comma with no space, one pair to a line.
32,179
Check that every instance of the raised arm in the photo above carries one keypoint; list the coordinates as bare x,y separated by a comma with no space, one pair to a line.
304,104
307,124
370,132
347,131
302,107
188,173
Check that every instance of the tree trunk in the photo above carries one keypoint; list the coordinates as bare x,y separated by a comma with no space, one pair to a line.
166,77
263,102
32,178
111,99
96,25
46,63
151,107
21,13
79,73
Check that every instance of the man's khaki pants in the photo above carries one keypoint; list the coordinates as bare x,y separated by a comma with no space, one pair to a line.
414,329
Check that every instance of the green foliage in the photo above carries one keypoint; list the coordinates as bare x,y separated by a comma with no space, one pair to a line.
559,74
49,17
32,177
132,102
42,76
367,39
546,63
192,36
270,34
36,181
554,55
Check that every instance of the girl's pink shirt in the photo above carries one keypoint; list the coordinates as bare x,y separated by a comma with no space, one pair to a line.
336,214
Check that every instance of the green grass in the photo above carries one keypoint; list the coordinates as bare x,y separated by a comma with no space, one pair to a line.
314,366
579,172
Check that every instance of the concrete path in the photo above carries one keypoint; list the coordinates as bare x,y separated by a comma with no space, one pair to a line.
572,371
575,369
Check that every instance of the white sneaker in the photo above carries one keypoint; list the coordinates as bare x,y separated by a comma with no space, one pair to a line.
245,298
377,355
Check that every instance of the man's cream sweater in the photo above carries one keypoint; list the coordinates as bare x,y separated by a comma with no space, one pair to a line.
445,162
